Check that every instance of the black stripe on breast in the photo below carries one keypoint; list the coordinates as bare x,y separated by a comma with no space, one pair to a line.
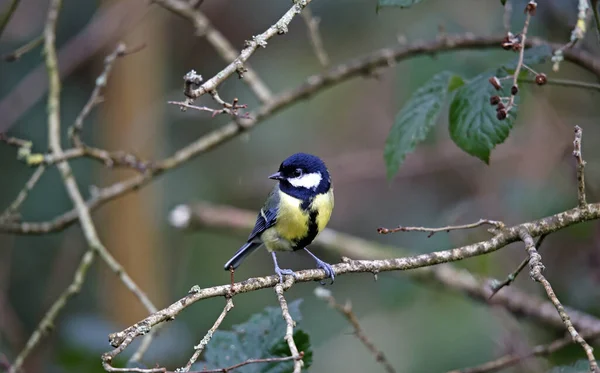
313,230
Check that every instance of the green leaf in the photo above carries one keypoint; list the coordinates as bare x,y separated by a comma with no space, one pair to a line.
417,118
398,3
532,56
503,2
473,123
580,366
258,338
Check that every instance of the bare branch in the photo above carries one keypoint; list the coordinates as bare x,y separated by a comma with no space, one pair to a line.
508,235
346,311
229,219
19,52
312,24
35,177
498,225
513,275
279,28
564,83
7,14
580,166
87,225
220,43
202,345
312,85
536,267
96,96
289,331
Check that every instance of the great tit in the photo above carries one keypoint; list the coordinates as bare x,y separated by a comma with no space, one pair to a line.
296,210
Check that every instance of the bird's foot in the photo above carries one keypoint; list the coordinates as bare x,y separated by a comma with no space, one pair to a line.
281,272
328,270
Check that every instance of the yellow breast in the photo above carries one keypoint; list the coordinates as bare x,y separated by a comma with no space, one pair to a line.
292,221
323,203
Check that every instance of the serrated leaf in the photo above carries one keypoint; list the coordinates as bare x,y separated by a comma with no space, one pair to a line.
417,117
259,337
473,123
397,3
580,366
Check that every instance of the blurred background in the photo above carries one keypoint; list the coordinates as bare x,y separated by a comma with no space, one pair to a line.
531,175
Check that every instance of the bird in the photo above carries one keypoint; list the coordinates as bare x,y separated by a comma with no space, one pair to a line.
297,209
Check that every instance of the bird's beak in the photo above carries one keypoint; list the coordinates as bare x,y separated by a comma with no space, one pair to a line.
276,176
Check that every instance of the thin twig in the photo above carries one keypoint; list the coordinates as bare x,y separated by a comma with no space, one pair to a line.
513,275
289,331
7,14
89,230
509,360
233,110
14,141
19,52
202,345
312,85
522,42
312,24
498,225
508,8
35,177
536,267
237,65
580,166
346,311
564,83
96,96
251,361
220,43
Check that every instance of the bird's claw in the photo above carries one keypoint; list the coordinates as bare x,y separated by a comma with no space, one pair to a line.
281,272
328,270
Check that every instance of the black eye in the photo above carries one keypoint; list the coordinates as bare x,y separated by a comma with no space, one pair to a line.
297,172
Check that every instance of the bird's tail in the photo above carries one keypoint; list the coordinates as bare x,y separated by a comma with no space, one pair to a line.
241,254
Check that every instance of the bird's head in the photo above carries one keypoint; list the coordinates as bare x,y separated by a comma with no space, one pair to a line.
303,171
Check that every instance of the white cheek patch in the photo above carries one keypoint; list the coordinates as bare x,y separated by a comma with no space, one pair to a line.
308,181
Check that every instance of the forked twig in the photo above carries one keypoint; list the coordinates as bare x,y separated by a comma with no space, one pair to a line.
536,267
202,345
498,225
513,275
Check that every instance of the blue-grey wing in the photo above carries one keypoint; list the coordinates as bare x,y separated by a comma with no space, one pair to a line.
268,214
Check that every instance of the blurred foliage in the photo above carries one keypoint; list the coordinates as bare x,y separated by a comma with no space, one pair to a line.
580,366
258,338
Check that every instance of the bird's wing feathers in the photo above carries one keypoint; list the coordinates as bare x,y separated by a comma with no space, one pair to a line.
268,214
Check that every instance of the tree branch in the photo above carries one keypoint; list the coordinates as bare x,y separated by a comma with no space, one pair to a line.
346,311
312,25
204,342
29,185
497,225
237,65
536,267
7,14
289,330
314,84
220,43
87,225
580,166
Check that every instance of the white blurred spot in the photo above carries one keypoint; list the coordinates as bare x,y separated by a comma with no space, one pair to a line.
180,216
